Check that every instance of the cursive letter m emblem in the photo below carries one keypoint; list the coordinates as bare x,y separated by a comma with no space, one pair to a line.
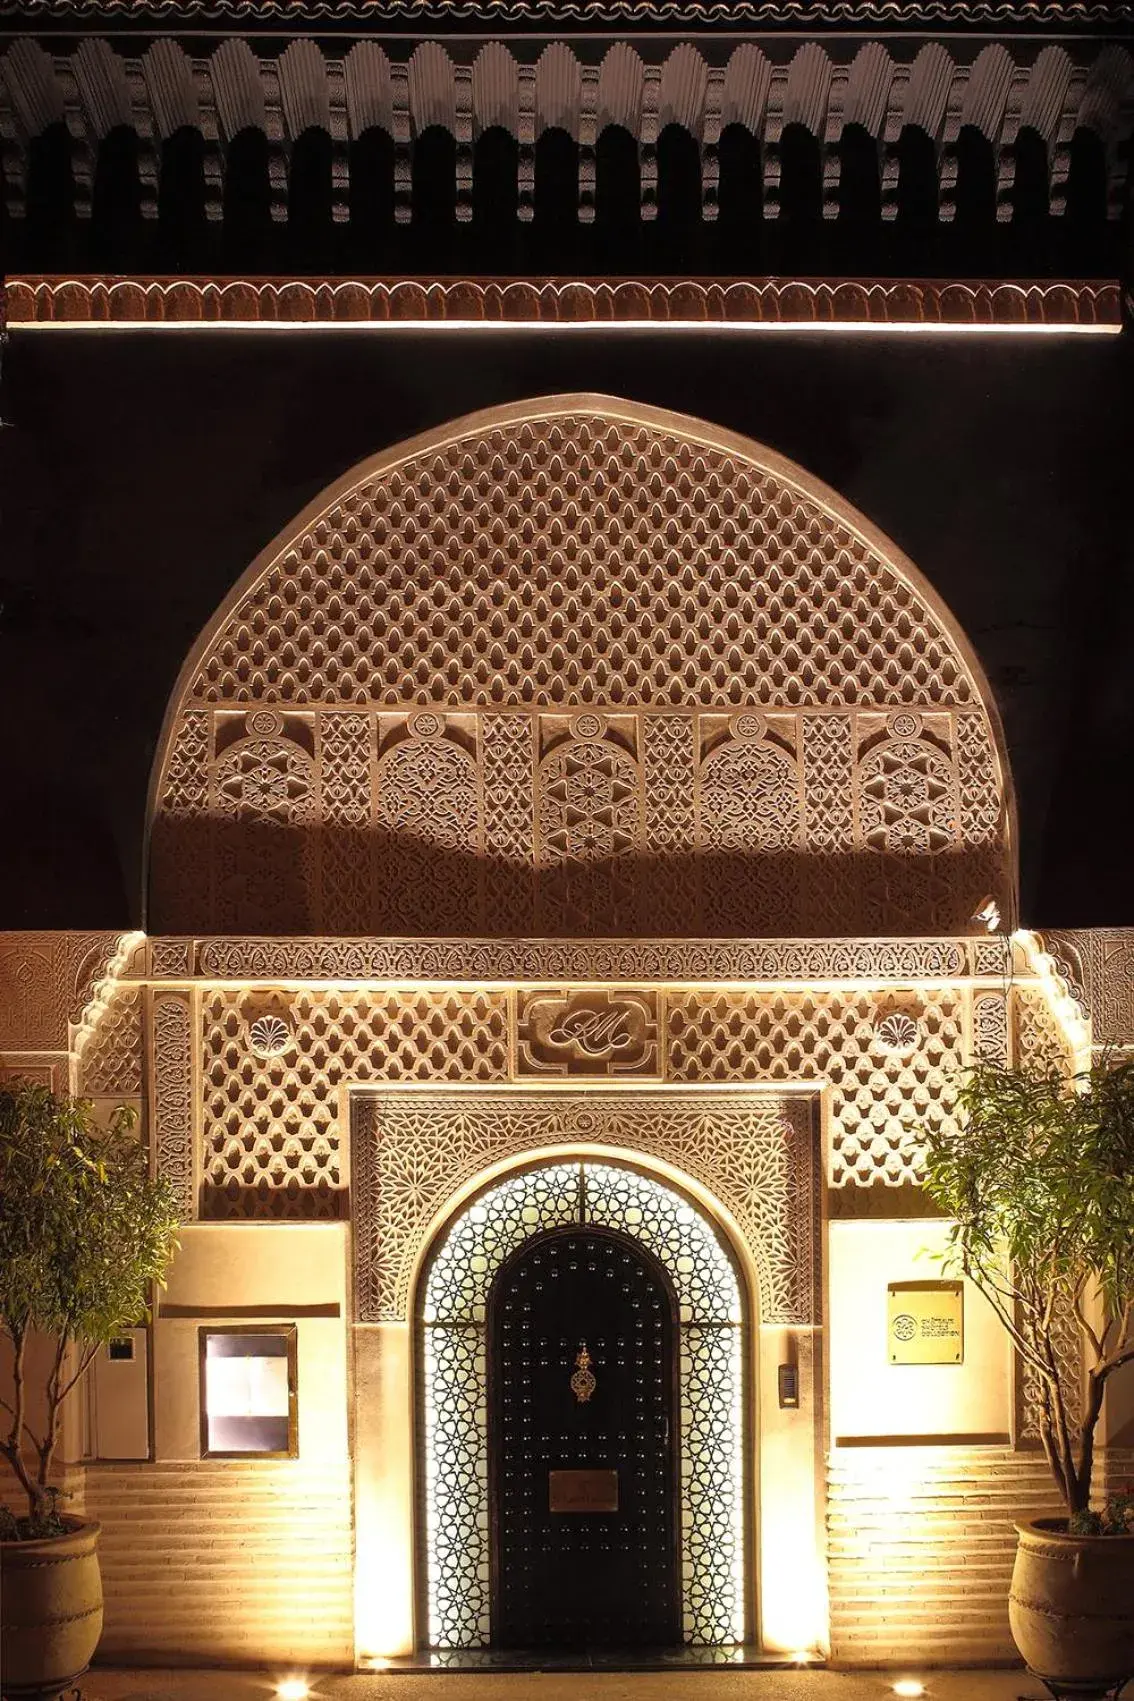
587,1033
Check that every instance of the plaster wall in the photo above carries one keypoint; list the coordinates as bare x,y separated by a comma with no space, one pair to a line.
228,1275
237,1560
872,1399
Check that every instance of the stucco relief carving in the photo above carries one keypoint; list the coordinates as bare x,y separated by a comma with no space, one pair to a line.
907,792
173,1098
589,825
429,813
777,301
1097,966
990,1027
171,959
512,822
566,669
1039,1042
271,1129
473,959
596,1034
272,1122
46,982
881,1100
756,1153
1069,1362
110,1063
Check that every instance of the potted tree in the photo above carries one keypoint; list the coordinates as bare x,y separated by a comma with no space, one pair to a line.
84,1232
1040,1183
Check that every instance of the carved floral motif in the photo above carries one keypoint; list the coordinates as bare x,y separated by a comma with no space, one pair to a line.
693,959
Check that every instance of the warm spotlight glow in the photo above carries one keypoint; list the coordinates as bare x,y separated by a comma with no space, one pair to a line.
909,1686
802,1657
298,1689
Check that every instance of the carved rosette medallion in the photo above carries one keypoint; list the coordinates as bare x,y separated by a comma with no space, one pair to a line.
599,1034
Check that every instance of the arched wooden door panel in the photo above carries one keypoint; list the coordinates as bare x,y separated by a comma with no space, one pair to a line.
583,1467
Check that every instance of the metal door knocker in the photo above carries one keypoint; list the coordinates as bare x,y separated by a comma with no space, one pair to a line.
582,1382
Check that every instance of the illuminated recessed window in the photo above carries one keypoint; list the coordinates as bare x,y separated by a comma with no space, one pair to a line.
248,1401
455,1377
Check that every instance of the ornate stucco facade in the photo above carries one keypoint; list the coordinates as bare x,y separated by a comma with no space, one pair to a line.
576,785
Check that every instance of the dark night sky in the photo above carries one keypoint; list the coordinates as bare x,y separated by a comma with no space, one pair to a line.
145,470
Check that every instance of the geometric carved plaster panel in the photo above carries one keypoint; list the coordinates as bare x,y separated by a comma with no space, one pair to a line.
565,668
271,1123
990,1028
276,1066
755,1152
1068,1342
110,1063
1039,1040
881,1099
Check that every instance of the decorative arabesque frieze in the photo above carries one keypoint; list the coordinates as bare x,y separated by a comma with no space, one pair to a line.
173,1090
795,961
937,87
573,674
880,16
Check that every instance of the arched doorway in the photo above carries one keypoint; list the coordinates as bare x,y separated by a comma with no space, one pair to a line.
693,1563
582,1434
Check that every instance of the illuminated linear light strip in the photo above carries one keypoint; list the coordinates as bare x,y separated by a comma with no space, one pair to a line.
792,327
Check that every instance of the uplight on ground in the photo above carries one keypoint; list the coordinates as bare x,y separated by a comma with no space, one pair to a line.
909,1687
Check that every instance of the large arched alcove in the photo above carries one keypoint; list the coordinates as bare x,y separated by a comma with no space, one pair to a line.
577,666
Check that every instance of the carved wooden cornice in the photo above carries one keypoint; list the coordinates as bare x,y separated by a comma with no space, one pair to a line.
1062,16
530,84
1023,304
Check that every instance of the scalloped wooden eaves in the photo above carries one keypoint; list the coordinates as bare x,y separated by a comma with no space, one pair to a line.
529,86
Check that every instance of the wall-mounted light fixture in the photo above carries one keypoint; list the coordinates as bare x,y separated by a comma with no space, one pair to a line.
988,915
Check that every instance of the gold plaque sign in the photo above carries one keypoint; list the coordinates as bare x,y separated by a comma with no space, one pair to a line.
582,1491
925,1322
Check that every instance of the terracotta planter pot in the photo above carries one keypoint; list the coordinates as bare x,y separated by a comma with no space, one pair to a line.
51,1608
1071,1607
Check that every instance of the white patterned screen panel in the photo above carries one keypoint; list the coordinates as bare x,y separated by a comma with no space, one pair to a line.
452,1315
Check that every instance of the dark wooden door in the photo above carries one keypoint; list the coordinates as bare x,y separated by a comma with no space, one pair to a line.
583,1432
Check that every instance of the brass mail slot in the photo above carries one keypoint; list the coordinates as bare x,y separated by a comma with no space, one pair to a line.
582,1491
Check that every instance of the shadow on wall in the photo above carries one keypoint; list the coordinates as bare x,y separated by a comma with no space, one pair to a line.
217,876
